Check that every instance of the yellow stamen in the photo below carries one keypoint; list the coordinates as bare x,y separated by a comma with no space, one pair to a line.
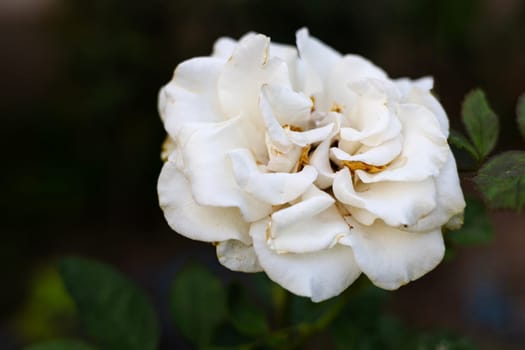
354,165
304,159
336,108
292,127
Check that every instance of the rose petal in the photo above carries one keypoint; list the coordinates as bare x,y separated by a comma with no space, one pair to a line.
303,138
348,70
186,217
396,203
418,92
391,257
370,120
312,224
238,256
289,55
280,160
244,74
425,148
209,169
354,68
224,47
320,275
316,54
378,155
274,129
405,85
450,201
272,188
290,107
191,96
321,161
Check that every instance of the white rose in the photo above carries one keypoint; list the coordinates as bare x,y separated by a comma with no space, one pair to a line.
308,165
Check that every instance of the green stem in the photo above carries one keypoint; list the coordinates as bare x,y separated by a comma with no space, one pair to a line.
293,337
281,300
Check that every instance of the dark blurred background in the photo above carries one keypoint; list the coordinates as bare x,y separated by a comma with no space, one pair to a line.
81,137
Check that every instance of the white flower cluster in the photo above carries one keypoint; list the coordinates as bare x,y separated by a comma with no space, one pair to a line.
309,165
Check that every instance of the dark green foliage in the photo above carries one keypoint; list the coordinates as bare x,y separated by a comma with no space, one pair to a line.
481,122
460,141
114,312
247,317
363,325
118,317
502,180
60,344
198,304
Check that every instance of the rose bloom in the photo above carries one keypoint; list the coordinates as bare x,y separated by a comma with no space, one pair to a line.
309,165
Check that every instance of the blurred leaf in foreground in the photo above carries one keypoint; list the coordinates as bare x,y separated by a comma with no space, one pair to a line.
246,317
502,180
60,344
198,304
49,311
115,312
481,122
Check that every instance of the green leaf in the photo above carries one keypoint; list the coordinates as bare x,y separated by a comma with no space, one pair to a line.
198,304
502,180
477,227
481,122
46,302
245,316
457,139
60,344
520,112
115,313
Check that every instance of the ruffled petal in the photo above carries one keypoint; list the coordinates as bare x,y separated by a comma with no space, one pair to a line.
208,167
316,54
238,256
246,71
450,201
354,68
290,107
303,138
379,155
396,203
319,275
274,129
224,47
199,222
192,94
425,148
391,257
310,225
405,85
370,120
418,92
272,188
321,161
282,161
347,71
